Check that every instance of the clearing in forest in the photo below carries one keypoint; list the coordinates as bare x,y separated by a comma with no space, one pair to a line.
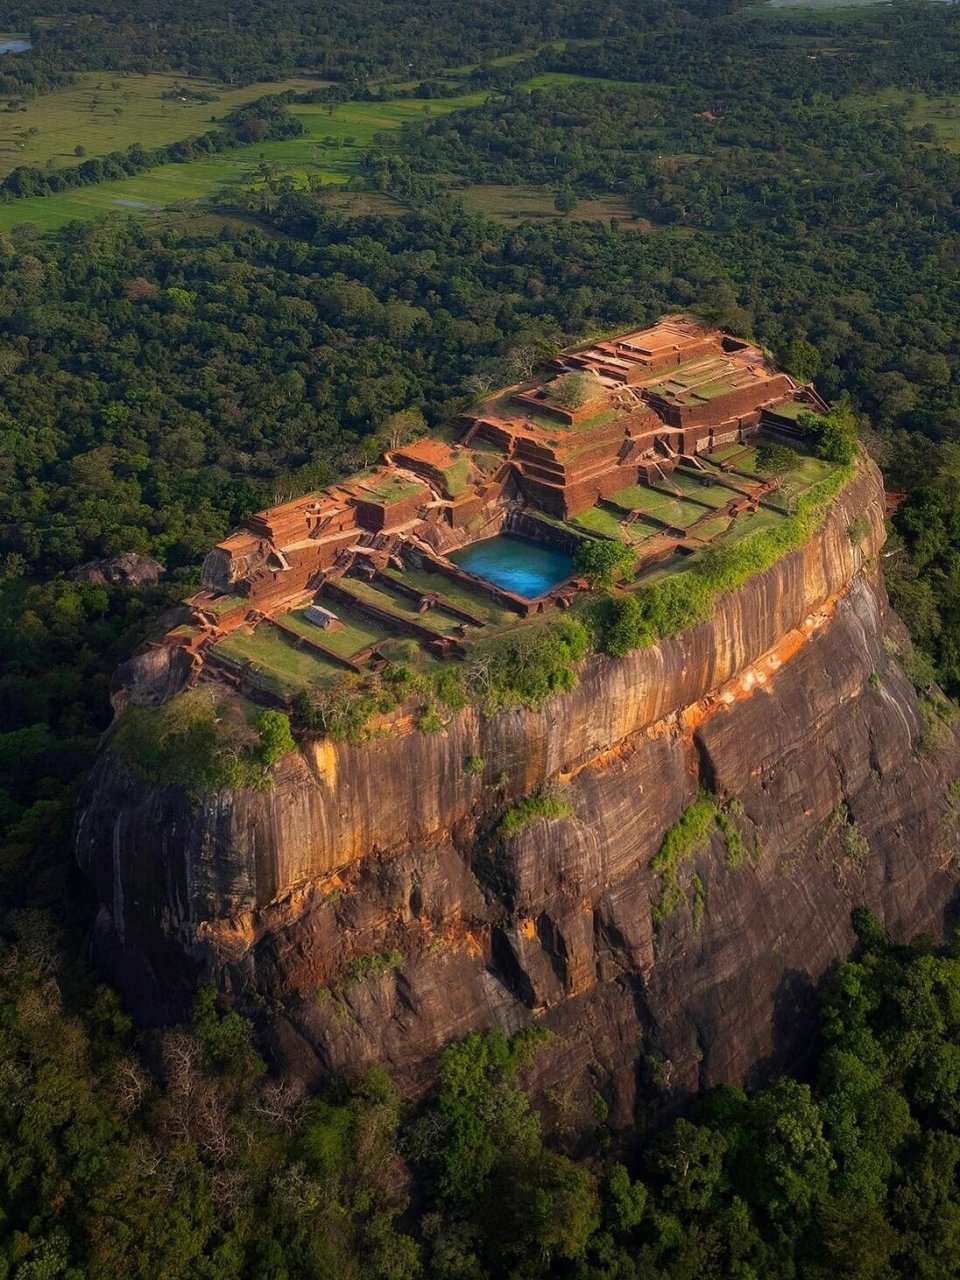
106,112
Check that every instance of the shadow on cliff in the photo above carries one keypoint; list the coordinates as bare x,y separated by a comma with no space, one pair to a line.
793,1032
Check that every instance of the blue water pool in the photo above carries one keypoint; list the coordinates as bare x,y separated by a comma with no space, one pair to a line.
528,569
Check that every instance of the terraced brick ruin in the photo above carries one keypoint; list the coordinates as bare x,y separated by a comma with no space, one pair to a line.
788,707
649,454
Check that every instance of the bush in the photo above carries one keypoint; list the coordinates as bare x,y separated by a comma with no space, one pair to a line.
372,966
430,721
342,710
189,742
527,664
276,740
604,562
690,831
835,434
546,804
448,686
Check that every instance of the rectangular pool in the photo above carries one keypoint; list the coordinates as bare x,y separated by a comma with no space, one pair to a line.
528,569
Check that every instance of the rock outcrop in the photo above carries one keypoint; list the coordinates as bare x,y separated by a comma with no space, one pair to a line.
128,570
366,909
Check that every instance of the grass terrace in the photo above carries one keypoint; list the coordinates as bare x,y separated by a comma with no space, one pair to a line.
286,667
701,490
446,588
457,477
224,604
608,524
400,606
392,489
792,409
659,504
357,633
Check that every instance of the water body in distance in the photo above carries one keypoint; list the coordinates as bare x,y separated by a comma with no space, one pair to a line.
15,46
528,569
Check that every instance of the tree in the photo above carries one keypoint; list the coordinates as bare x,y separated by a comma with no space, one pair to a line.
276,740
802,359
565,201
573,390
402,427
604,562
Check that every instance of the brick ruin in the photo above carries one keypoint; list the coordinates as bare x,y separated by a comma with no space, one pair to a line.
622,412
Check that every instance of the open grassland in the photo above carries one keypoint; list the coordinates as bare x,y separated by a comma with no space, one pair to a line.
330,148
507,203
103,112
836,8
940,113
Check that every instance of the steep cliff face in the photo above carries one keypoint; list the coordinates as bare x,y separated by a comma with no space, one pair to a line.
787,705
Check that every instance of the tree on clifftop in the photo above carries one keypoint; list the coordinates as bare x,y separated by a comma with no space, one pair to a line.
603,562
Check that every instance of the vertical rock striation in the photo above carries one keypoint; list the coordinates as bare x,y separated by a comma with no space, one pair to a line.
786,705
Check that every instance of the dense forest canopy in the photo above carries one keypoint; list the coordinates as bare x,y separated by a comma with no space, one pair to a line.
159,380
343,40
203,1165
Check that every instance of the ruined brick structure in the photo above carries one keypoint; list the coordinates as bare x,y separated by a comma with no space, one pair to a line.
645,403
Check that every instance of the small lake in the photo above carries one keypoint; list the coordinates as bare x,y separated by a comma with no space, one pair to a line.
17,45
528,569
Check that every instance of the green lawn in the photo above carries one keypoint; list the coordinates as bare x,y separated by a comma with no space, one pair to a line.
272,653
357,632
437,583
106,112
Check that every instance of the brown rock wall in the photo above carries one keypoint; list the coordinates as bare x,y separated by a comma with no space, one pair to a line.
786,702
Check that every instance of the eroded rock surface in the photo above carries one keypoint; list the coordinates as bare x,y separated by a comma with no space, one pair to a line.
787,705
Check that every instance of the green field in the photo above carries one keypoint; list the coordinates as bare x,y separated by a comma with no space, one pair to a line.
511,203
267,649
356,633
105,112
941,113
330,148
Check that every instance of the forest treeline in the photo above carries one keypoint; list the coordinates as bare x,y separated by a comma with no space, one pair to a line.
175,1153
341,40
